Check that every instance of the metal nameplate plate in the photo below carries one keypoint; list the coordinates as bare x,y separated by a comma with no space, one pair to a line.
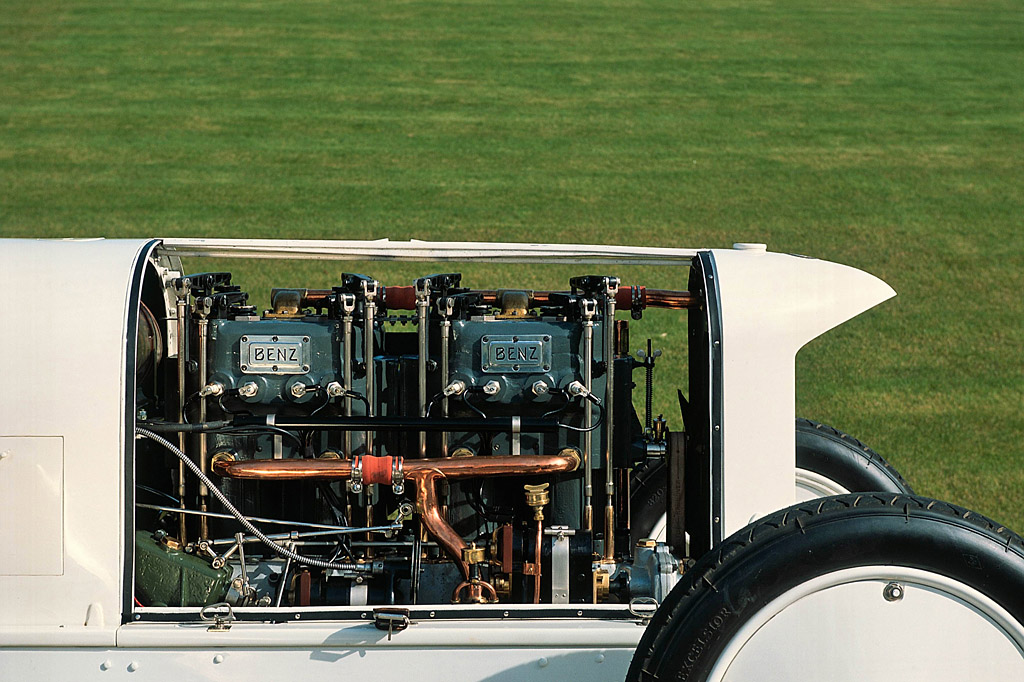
274,354
502,354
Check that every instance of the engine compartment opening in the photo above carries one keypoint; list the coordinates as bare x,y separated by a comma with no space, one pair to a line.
383,444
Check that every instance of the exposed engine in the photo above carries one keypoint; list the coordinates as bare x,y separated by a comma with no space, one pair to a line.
394,445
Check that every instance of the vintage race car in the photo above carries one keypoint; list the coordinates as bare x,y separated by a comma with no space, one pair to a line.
426,480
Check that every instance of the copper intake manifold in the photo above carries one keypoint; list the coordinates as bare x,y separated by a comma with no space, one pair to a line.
423,473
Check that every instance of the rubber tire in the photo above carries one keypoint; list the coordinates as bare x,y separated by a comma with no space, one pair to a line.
820,448
730,584
844,459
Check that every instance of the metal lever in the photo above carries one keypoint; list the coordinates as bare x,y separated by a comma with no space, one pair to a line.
221,622
391,619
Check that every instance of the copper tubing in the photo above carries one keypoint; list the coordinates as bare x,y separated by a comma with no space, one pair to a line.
404,298
452,468
423,473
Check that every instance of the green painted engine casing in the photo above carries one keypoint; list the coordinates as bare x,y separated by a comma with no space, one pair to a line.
170,577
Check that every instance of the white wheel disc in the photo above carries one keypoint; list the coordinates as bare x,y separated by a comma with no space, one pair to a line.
810,486
876,623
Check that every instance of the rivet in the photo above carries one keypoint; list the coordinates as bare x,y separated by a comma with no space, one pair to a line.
505,614
219,658
5,454
133,666
543,662
599,658
106,665
431,614
298,616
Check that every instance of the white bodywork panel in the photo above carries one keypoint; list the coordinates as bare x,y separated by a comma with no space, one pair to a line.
63,369
64,380
772,304
31,505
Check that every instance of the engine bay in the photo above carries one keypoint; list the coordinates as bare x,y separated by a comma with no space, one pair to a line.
389,445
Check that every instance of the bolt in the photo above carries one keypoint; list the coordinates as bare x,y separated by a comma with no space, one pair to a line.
249,389
492,387
893,592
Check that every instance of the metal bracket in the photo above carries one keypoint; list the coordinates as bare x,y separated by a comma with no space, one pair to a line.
397,476
516,429
643,608
221,622
391,619
589,308
369,289
559,562
356,481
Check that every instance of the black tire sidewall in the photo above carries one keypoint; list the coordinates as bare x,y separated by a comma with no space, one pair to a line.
845,460
763,561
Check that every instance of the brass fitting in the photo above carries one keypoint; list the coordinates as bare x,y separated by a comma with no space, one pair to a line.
537,497
602,585
473,554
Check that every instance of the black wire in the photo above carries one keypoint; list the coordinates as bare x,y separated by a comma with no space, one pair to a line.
359,396
600,420
184,406
436,399
558,410
465,399
260,431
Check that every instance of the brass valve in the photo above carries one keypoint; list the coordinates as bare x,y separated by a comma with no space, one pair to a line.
536,497
473,554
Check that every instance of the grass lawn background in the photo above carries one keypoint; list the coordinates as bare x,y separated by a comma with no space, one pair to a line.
887,136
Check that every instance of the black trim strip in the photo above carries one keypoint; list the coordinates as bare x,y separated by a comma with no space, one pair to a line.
134,298
717,440
421,613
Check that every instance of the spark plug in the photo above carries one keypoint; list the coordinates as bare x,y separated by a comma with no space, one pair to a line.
578,389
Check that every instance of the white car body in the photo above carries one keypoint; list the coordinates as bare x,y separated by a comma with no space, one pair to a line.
66,419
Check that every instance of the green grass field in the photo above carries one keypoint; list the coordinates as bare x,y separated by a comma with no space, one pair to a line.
888,136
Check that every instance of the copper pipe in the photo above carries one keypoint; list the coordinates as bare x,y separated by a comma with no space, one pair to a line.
428,504
452,468
403,297
673,300
423,473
